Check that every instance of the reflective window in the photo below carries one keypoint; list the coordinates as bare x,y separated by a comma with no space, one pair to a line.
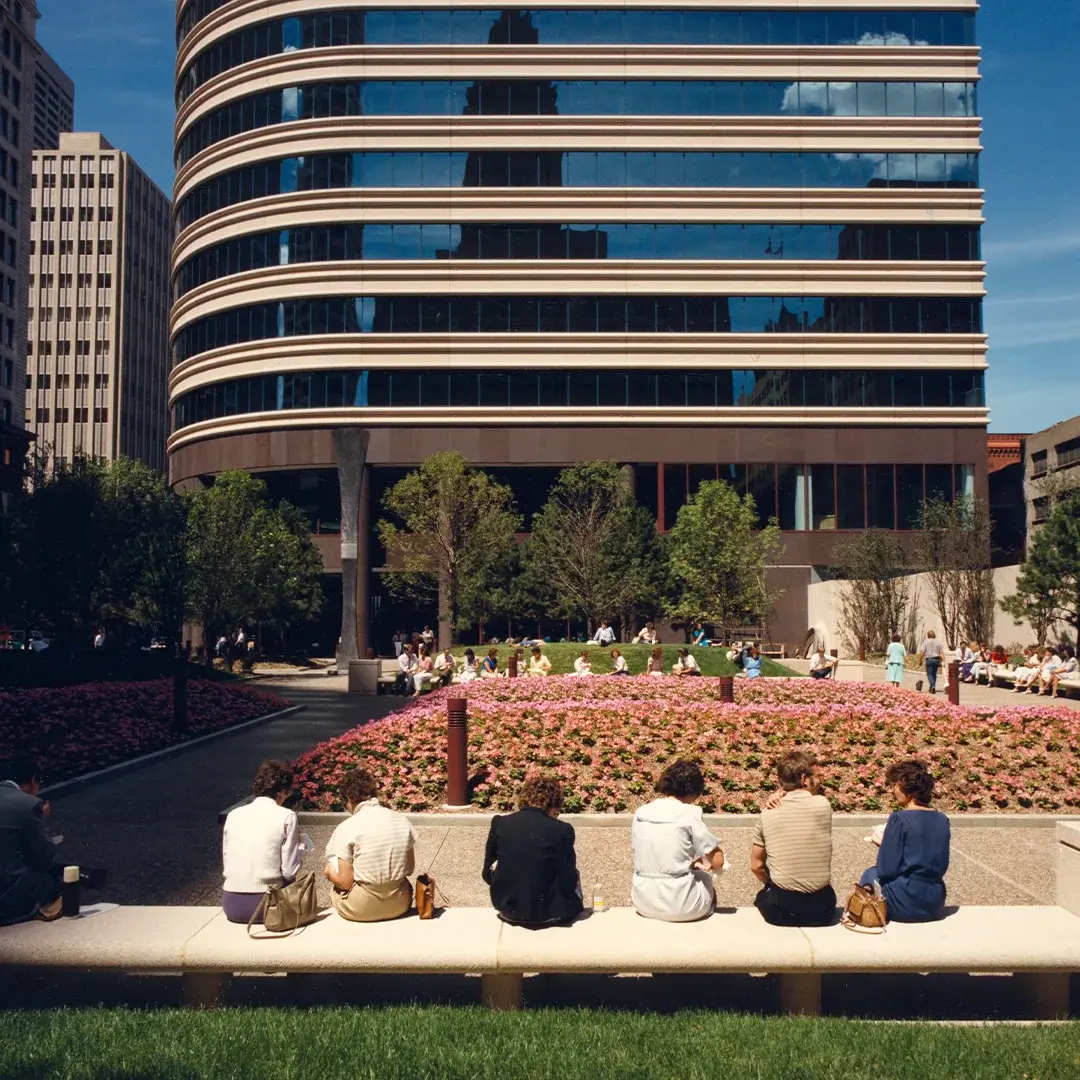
851,497
611,26
549,240
805,495
554,168
608,97
585,314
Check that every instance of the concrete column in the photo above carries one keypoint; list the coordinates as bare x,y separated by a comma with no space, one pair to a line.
502,992
800,995
350,450
363,566
204,989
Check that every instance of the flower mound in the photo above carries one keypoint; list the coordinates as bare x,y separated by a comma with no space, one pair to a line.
609,739
78,729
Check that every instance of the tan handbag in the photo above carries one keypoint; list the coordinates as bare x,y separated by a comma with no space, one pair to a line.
425,896
286,908
865,911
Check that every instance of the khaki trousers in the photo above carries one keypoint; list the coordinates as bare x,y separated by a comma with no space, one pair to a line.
372,903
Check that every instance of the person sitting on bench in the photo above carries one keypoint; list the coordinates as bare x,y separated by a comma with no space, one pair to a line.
370,855
529,861
822,666
261,844
791,854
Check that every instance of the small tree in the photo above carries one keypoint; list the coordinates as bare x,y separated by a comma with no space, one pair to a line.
1048,587
451,524
593,553
718,558
953,550
877,595
247,560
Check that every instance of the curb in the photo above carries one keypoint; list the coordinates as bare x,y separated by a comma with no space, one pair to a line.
469,820
65,787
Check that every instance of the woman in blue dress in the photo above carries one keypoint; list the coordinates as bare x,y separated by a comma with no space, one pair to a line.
752,664
894,661
914,852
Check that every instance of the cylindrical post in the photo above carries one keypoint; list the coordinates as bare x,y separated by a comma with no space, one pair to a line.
954,682
511,666
457,752
727,689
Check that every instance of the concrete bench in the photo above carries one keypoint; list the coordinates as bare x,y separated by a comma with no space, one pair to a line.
1040,944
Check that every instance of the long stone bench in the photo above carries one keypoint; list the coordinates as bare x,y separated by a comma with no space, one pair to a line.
1004,677
1040,944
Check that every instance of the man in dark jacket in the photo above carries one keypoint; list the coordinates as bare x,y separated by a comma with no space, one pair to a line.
530,863
29,876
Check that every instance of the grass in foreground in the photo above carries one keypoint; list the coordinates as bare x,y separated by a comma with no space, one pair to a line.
412,1043
562,655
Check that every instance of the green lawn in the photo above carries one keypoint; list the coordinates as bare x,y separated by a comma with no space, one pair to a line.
414,1043
563,654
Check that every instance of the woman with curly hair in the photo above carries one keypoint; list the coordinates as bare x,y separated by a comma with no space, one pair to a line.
529,863
914,853
674,853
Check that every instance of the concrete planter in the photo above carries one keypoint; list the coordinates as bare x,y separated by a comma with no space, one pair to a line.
364,676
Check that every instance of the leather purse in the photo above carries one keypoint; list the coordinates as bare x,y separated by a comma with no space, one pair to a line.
865,911
425,896
286,908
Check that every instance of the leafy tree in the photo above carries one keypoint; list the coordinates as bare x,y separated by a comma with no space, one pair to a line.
1048,587
247,560
451,527
878,595
953,550
718,558
594,551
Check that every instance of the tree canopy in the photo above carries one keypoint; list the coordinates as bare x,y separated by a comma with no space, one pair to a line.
718,558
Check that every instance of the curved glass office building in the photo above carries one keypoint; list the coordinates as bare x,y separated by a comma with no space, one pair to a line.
710,240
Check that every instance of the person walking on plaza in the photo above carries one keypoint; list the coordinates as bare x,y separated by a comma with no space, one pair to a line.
914,853
895,656
529,862
930,653
370,855
674,851
261,845
791,854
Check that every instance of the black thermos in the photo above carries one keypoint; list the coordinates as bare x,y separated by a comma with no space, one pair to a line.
69,892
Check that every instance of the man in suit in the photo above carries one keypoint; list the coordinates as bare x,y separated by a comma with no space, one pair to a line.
530,863
29,875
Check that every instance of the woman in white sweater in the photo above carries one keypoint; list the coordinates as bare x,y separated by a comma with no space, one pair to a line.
261,846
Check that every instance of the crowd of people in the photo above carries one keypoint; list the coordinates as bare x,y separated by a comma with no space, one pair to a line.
530,863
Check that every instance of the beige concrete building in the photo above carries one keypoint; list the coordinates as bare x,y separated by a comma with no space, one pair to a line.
734,239
1051,469
18,56
99,304
54,103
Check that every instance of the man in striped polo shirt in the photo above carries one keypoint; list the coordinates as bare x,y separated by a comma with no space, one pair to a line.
792,849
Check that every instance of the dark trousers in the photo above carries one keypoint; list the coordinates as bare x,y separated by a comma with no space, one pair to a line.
781,907
821,673
933,665
25,892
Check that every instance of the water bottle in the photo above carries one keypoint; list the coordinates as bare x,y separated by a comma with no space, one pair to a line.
69,893
599,904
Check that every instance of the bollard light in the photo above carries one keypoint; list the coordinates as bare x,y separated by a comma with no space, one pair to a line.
954,682
727,689
457,752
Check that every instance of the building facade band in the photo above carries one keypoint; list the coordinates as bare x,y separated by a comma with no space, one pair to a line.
728,240
98,360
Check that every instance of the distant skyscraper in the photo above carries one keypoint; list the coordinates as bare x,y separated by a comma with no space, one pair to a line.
98,356
18,54
54,103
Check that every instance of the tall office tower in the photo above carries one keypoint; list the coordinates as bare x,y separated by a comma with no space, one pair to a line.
724,240
98,361
54,103
18,55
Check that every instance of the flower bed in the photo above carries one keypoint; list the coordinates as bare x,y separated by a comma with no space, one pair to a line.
78,729
609,739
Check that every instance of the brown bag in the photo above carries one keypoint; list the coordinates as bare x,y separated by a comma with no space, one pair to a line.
425,896
286,908
865,911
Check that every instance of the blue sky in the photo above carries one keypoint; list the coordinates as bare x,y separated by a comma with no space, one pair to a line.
120,54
